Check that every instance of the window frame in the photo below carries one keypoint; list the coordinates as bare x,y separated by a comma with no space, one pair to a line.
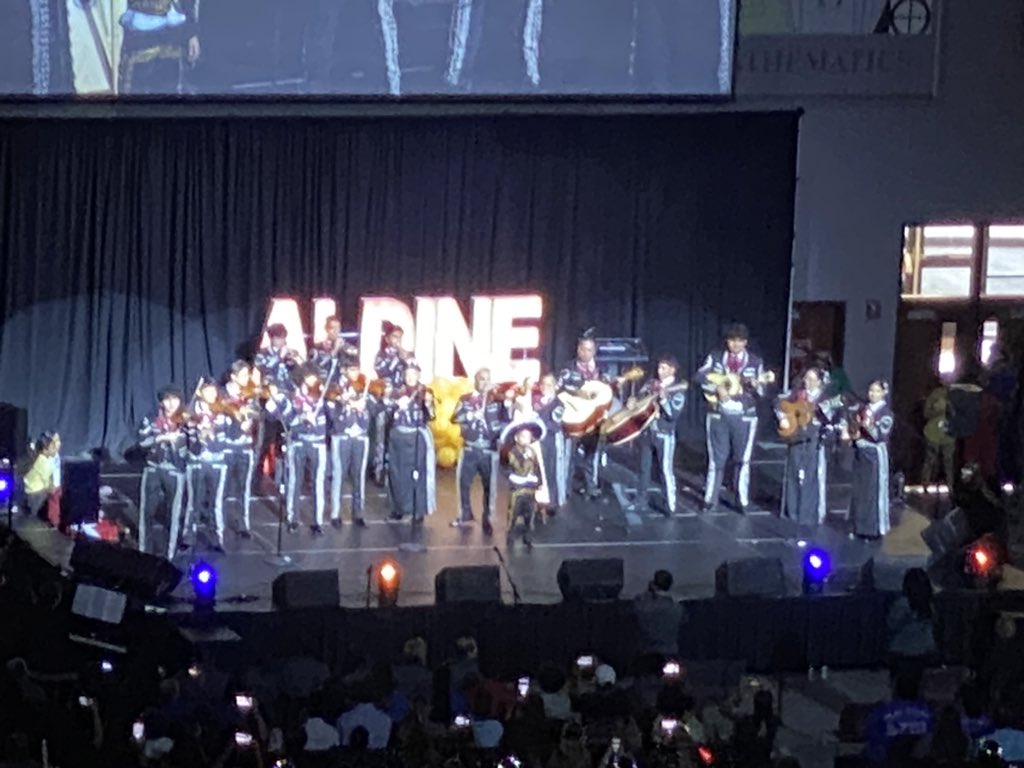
977,263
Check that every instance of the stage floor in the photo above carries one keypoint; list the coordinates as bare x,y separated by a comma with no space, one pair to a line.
690,545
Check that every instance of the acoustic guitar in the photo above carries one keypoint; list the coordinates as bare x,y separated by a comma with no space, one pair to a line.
733,383
629,423
800,413
587,406
797,414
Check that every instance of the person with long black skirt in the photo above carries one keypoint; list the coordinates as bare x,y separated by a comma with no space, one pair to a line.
805,481
389,365
869,429
554,446
411,462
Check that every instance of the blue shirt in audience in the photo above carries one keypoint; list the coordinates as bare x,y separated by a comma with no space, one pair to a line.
891,720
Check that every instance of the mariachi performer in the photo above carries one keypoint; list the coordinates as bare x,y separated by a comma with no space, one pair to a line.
480,415
305,421
242,406
411,462
658,441
525,476
206,473
349,406
160,38
869,428
389,365
807,420
163,479
585,452
333,347
276,362
554,446
273,367
732,413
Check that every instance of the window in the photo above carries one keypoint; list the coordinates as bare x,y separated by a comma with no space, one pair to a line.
1004,260
938,260
963,261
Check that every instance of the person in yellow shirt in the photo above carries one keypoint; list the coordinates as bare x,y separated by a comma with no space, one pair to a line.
42,480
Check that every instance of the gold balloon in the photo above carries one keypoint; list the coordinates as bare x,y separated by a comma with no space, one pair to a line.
447,436
447,457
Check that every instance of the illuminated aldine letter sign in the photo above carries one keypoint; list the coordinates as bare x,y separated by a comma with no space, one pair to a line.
501,333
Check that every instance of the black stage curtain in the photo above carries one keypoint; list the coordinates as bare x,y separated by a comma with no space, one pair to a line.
141,252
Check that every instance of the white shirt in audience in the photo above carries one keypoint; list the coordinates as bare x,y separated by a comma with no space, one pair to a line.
375,721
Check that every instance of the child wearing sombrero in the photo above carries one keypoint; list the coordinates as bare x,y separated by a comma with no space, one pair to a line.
525,476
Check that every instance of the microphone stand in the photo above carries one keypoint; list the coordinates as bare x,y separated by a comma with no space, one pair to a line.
516,599
279,558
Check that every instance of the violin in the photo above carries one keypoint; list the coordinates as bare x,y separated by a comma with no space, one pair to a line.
378,388
503,389
860,421
174,422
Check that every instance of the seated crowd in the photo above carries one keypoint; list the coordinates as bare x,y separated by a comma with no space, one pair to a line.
403,712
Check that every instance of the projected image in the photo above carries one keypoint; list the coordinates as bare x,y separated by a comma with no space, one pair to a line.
131,48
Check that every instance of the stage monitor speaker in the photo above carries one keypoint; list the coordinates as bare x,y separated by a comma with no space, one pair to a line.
884,573
134,573
750,577
947,534
591,579
13,432
468,584
80,492
306,589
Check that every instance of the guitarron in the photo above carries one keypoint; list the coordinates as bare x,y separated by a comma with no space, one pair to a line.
586,408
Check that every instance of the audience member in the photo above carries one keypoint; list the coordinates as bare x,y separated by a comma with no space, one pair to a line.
42,481
487,729
572,749
461,670
911,625
320,735
368,715
974,719
554,692
948,745
754,735
659,617
895,727
411,675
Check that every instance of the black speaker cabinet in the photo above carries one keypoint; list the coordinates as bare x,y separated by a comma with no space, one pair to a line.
134,573
468,584
750,577
80,492
306,589
13,432
591,579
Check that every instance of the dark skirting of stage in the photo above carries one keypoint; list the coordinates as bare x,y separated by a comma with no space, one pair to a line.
690,544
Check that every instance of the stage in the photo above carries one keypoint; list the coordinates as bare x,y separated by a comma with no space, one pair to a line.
690,544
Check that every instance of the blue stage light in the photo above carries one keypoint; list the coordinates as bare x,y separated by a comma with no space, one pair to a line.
204,585
817,566
6,481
